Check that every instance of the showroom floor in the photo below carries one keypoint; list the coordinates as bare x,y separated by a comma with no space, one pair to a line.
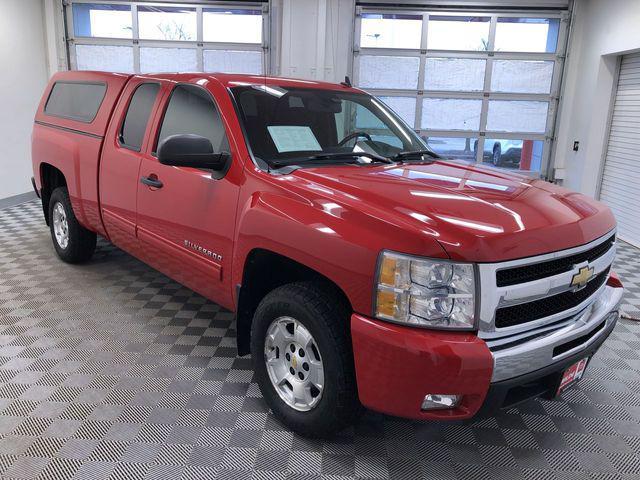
110,369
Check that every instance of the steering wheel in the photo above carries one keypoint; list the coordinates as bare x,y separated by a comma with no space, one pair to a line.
353,135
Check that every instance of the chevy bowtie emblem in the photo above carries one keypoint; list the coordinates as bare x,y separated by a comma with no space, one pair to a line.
580,279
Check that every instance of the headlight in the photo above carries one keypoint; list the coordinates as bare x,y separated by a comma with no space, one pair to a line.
427,293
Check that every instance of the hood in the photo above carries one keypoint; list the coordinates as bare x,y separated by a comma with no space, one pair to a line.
476,213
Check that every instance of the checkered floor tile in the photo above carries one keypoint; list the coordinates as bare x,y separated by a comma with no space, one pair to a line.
111,370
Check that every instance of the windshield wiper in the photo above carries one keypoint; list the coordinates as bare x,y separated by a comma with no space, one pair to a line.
373,156
349,157
415,154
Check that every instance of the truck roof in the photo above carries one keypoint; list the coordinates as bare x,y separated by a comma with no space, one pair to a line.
236,79
114,83
226,79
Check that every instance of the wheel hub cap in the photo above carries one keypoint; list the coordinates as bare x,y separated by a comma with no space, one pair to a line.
294,363
60,225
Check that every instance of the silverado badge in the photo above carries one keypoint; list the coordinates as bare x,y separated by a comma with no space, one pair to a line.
580,279
202,250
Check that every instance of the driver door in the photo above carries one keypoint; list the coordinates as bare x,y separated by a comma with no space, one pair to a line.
186,217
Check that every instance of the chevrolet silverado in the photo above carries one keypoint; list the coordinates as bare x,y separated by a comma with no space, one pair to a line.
362,268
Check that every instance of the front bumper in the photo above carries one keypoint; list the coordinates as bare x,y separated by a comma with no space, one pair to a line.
540,383
397,366
589,326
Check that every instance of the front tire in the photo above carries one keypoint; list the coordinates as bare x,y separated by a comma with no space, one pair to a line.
303,359
73,243
496,157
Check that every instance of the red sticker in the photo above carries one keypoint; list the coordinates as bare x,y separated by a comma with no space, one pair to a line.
572,374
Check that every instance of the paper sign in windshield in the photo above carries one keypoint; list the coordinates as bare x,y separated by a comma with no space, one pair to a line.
293,138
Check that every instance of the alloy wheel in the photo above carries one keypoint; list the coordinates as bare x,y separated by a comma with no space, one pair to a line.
294,363
60,225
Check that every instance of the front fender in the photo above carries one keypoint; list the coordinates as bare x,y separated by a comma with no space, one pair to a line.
332,238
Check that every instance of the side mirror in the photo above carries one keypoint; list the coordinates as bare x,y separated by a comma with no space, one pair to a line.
187,150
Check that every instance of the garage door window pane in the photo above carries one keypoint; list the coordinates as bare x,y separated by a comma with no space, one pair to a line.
448,147
104,57
454,74
233,61
458,33
527,34
389,72
523,155
404,107
154,59
522,76
167,23
451,114
390,31
102,20
517,116
232,26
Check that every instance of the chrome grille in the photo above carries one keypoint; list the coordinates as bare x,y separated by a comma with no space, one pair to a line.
526,312
536,271
541,304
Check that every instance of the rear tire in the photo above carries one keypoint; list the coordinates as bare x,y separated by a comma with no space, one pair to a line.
73,243
317,312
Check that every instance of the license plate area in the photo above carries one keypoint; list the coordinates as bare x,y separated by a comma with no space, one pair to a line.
572,375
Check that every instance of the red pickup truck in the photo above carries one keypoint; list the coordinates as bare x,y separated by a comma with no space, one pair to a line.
363,269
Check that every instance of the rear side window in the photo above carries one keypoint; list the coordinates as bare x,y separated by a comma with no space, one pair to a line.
78,101
135,122
191,110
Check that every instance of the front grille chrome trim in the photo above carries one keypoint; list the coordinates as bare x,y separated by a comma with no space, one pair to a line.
494,297
499,342
546,287
509,332
539,270
540,308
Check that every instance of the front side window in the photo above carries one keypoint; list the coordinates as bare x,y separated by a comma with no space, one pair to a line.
290,124
135,122
191,110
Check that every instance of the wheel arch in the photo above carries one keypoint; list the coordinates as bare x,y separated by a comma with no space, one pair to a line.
265,270
51,178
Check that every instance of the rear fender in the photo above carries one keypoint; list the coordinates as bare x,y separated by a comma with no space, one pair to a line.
75,156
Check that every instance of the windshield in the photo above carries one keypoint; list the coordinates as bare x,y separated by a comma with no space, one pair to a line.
298,125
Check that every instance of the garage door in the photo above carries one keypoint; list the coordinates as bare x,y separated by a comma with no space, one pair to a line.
143,37
481,86
621,178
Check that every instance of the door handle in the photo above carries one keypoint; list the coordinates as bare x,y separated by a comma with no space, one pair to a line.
151,181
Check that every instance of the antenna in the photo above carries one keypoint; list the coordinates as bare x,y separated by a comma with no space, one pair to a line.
347,81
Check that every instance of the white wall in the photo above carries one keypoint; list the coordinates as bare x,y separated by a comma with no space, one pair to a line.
54,36
24,76
316,38
602,30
